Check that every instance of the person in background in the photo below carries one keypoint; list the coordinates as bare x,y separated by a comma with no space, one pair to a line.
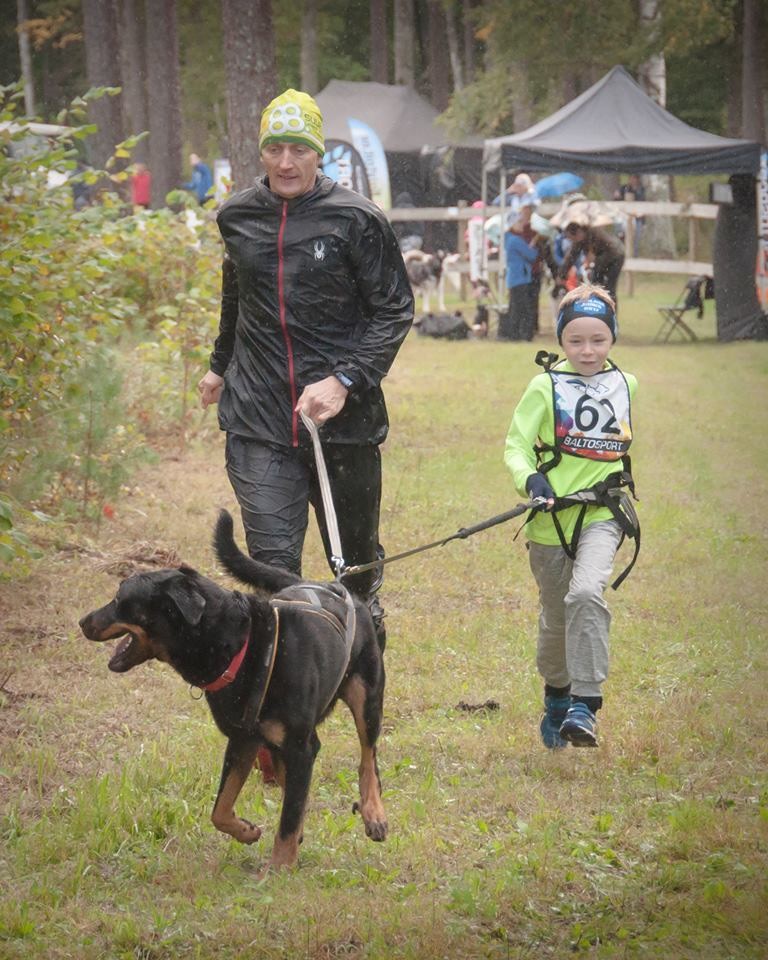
141,186
409,233
81,191
570,434
315,304
521,256
602,250
202,179
633,190
520,193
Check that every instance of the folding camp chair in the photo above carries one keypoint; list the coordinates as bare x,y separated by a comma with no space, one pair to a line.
692,297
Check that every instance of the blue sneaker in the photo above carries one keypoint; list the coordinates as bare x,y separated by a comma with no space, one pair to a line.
579,726
555,710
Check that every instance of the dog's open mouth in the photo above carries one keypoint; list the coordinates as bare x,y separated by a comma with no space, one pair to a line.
131,650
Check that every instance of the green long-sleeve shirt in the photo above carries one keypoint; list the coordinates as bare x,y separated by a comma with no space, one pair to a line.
533,421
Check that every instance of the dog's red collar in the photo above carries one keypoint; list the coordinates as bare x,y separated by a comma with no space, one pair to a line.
230,673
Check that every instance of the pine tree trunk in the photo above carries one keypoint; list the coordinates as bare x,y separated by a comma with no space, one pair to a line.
379,48
658,233
164,98
309,82
102,62
405,42
249,60
469,40
735,49
25,57
457,72
439,63
134,76
752,72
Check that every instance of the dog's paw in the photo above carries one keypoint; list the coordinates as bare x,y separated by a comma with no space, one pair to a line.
376,827
376,830
247,832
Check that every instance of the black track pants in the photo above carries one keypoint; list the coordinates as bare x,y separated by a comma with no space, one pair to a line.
274,487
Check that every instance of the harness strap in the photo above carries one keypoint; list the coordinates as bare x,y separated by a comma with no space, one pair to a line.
606,493
261,681
309,599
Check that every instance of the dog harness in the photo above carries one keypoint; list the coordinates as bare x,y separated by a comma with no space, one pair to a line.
334,603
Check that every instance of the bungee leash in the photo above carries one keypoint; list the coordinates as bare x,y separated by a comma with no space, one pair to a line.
337,557
461,534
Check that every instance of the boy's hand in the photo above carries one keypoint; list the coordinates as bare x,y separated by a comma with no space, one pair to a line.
538,487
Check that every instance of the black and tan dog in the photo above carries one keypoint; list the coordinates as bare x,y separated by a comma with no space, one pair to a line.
272,669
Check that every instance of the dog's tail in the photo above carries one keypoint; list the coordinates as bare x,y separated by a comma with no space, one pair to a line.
242,567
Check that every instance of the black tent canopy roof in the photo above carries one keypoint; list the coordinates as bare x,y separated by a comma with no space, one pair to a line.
615,125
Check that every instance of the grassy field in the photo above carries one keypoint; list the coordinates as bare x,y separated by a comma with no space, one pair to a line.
655,845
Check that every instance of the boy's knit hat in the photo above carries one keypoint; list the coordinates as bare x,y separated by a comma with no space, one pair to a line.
589,307
293,117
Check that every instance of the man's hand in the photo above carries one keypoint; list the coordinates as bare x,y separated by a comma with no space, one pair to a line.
321,401
209,388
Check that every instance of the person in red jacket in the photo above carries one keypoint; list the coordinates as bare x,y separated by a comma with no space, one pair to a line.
141,186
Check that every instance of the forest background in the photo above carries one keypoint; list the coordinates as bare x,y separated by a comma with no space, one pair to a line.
196,75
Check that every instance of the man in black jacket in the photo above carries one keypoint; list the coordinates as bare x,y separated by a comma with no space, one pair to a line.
315,305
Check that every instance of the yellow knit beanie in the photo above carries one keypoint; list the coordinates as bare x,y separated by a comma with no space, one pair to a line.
293,117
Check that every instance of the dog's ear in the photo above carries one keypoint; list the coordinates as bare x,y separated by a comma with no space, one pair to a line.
189,602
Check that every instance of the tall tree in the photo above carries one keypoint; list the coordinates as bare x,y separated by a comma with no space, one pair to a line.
164,97
102,60
309,47
379,42
652,74
249,60
753,71
438,58
469,15
134,74
25,56
405,42
454,47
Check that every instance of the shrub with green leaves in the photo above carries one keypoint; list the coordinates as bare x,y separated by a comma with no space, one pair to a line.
79,288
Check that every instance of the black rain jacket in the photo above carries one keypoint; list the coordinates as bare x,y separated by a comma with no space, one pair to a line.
311,287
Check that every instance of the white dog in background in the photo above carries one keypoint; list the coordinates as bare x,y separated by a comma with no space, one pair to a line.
427,272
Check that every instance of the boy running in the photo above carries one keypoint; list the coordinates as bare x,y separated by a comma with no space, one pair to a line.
568,444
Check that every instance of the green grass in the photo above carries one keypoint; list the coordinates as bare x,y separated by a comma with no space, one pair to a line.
654,845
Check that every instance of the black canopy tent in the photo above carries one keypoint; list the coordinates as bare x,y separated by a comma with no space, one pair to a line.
422,159
615,125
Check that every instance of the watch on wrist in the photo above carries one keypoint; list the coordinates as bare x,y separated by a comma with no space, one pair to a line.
344,380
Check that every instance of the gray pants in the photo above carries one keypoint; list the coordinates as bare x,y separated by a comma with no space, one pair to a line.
574,619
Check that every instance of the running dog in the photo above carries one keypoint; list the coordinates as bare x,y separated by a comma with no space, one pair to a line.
272,668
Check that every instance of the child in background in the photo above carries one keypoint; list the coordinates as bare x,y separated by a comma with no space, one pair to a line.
569,435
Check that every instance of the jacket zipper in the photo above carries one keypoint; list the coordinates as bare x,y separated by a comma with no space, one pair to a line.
284,325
